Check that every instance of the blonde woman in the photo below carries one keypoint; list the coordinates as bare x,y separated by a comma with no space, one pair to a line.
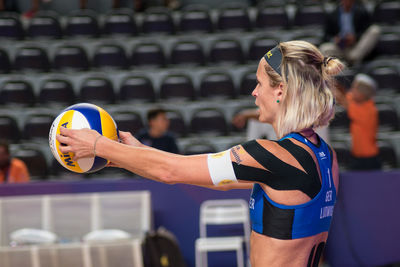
294,180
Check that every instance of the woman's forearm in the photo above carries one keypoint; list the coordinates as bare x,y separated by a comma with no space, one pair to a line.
155,164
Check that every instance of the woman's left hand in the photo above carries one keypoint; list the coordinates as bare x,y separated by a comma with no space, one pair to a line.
80,142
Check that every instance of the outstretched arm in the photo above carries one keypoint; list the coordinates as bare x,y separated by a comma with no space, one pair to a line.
144,161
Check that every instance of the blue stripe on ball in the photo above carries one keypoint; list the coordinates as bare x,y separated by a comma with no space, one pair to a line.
91,113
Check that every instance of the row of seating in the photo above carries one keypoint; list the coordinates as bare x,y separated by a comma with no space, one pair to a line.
107,88
195,120
140,53
167,85
107,55
160,20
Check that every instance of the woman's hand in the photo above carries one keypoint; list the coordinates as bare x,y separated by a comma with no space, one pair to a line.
80,142
128,139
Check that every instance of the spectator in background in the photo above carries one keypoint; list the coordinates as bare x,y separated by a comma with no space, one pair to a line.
12,170
364,122
348,32
157,135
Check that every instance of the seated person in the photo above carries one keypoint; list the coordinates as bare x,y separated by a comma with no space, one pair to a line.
157,134
349,33
12,170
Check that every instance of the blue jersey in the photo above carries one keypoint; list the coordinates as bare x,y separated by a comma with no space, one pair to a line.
298,221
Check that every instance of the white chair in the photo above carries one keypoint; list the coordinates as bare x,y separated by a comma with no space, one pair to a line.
223,212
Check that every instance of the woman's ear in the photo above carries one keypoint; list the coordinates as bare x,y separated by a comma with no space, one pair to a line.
279,90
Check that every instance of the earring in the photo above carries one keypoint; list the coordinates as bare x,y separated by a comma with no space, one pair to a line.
277,101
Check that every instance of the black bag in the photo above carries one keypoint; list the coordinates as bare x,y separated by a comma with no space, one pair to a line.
161,249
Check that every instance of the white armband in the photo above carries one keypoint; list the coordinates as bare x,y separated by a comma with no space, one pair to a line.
220,168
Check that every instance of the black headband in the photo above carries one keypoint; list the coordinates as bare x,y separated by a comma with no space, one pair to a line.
274,59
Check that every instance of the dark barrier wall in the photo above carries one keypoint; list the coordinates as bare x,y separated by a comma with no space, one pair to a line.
365,230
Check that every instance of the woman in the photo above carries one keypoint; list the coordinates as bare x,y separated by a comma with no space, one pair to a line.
294,179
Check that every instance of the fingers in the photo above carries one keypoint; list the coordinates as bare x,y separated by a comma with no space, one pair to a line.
62,139
65,131
65,149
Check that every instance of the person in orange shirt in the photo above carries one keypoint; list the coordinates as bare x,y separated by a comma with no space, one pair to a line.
12,170
364,122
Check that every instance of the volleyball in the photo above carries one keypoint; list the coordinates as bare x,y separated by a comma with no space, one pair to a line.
79,116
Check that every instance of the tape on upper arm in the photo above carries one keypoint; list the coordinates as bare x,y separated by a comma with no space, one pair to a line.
220,168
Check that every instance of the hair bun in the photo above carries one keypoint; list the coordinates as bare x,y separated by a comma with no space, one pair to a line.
332,66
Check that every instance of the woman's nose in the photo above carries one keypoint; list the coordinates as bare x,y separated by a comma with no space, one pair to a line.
254,93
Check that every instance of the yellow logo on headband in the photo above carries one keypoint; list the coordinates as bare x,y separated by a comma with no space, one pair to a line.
269,54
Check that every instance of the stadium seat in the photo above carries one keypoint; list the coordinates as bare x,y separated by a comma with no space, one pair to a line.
11,27
157,20
44,25
248,83
9,129
35,161
388,118
272,16
17,92
195,19
226,51
345,78
137,89
177,87
387,12
110,56
37,126
387,155
5,65
260,46
70,58
388,44
31,59
148,54
386,77
233,17
97,90
82,23
128,121
343,155
217,85
187,53
177,124
209,122
309,15
120,23
56,91
340,122
199,148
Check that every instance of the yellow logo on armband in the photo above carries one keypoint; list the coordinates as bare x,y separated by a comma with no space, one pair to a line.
226,181
218,155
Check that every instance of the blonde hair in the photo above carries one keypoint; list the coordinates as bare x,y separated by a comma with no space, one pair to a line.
307,82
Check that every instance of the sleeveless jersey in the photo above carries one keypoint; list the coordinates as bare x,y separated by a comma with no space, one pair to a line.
297,221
